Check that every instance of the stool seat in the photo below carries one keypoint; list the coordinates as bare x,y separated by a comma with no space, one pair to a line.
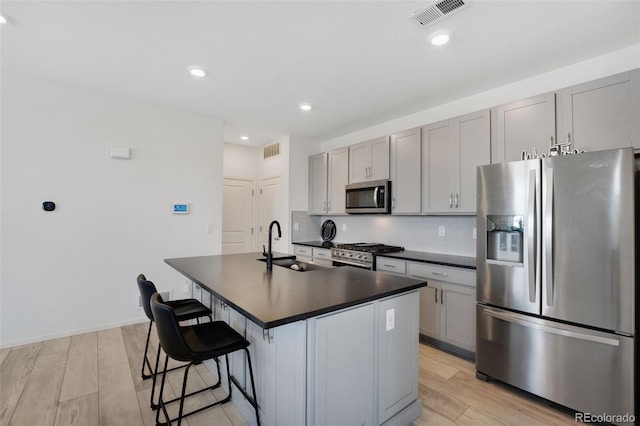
188,309
212,339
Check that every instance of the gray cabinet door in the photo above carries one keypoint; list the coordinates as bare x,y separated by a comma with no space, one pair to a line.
359,162
338,178
343,368
523,125
473,137
457,316
438,162
406,172
237,359
318,184
397,346
430,310
379,166
601,114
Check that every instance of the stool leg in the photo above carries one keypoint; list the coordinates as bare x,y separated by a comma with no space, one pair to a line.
155,406
184,391
145,360
160,401
253,387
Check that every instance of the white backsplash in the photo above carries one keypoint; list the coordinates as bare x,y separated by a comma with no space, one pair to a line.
418,233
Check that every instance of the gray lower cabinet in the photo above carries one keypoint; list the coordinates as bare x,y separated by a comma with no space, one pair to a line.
447,304
344,369
397,366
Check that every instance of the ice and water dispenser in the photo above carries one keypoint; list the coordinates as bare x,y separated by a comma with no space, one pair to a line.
504,238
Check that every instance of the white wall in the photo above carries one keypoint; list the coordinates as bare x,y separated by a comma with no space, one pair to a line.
241,161
74,269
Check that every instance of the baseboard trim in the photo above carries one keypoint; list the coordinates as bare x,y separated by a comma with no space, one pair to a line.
454,350
42,338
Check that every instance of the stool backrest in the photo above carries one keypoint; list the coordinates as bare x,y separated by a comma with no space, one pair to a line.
147,289
169,331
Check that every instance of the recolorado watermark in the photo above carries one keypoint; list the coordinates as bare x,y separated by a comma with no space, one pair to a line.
604,418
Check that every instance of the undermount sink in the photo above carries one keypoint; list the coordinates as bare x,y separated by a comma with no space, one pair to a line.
293,264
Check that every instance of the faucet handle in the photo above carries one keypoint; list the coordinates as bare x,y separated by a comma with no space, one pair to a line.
264,251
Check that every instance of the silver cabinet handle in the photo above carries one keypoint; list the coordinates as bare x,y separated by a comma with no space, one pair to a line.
548,235
512,318
439,274
442,296
328,206
451,200
435,294
325,206
456,200
375,196
388,266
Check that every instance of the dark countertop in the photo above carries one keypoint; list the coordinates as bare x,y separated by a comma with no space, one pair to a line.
437,258
318,244
418,256
282,296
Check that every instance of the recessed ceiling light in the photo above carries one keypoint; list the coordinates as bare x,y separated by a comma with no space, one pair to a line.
3,20
440,38
244,138
305,107
197,72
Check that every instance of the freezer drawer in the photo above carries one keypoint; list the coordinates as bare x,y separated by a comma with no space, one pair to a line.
585,370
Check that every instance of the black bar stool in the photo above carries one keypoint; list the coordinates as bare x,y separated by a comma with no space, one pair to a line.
195,344
185,309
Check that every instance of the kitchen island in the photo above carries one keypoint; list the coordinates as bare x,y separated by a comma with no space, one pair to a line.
328,346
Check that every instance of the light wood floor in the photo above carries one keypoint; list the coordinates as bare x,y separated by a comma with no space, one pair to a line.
94,379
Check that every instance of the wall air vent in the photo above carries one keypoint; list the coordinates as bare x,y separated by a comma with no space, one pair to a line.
271,150
437,11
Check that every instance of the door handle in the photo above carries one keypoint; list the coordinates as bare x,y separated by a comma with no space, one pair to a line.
548,237
515,319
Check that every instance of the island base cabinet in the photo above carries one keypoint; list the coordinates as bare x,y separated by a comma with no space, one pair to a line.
278,359
341,368
397,348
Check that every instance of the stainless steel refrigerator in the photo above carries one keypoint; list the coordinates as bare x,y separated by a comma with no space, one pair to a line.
556,279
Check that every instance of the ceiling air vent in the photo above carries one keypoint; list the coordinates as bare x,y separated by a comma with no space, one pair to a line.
436,11
271,150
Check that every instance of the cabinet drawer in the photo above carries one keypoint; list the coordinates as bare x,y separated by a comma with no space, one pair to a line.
442,273
391,265
320,253
302,251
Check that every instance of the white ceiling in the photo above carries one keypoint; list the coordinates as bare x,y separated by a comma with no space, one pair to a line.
359,63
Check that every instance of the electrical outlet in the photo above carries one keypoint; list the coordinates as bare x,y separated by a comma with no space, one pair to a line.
296,226
344,227
391,319
475,233
210,228
441,231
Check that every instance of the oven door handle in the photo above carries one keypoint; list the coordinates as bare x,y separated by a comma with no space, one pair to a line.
375,196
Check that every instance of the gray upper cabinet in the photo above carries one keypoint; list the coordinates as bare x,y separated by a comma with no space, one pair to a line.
601,114
369,160
406,172
328,175
451,151
318,169
523,125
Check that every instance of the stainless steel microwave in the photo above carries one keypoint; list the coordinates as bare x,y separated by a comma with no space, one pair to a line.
368,197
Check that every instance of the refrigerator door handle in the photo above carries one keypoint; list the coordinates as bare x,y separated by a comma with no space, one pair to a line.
531,239
548,236
516,319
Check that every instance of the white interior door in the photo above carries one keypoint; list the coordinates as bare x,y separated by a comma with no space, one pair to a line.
238,212
270,202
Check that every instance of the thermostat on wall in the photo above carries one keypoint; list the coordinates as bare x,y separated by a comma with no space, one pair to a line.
181,208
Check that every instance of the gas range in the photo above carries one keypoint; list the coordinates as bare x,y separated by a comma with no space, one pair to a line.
360,254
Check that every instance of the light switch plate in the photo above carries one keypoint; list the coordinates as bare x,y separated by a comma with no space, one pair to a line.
441,231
